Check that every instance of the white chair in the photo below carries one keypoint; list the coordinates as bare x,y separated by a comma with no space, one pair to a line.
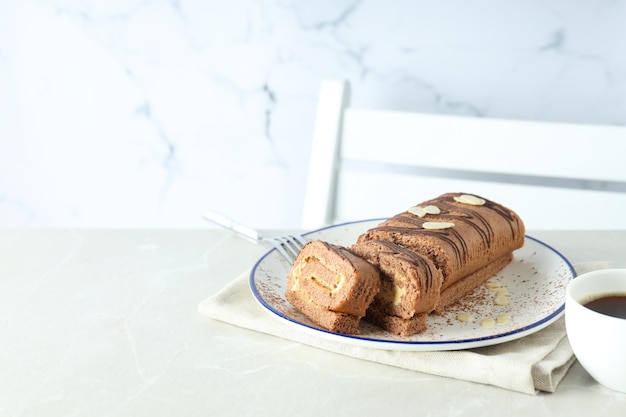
374,163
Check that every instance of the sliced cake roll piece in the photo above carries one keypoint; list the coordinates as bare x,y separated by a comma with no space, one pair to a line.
410,286
329,278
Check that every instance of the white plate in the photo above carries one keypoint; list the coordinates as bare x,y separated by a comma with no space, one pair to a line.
535,282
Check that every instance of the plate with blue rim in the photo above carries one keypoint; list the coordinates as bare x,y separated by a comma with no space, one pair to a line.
534,283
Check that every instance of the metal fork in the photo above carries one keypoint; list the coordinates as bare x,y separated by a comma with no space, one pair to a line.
288,246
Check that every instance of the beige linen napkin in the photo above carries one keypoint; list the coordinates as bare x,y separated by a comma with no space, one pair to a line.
534,363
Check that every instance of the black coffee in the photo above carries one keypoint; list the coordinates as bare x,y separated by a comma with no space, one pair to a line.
610,305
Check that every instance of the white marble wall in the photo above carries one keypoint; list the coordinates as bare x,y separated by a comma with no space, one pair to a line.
144,113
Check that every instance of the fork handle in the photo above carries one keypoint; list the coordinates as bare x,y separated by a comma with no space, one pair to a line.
228,223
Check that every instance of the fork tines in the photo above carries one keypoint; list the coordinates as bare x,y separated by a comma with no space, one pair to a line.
288,246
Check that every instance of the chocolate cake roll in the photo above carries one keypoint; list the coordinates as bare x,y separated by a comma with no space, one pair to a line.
398,272
332,286
468,238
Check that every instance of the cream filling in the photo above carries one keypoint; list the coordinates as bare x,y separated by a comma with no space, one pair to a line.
391,293
340,279
298,274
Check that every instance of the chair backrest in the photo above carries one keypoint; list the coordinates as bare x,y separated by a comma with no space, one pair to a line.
373,163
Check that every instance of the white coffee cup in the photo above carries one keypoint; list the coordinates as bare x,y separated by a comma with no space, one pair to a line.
598,340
